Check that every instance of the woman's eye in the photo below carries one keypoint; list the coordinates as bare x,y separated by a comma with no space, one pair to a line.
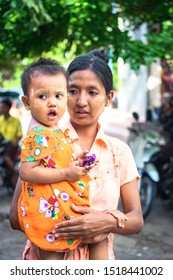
93,93
72,91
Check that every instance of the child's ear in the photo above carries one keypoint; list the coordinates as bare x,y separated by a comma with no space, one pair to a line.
25,101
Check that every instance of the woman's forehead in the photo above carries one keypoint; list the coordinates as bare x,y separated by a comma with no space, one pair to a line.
85,76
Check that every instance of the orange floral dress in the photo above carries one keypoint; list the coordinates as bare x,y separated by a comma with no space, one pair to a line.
41,206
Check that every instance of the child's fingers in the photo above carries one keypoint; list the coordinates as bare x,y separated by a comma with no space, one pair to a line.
88,167
121,218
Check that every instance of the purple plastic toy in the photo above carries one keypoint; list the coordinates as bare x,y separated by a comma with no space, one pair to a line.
89,160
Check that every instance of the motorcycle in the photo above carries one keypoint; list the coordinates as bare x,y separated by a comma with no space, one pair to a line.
5,175
154,166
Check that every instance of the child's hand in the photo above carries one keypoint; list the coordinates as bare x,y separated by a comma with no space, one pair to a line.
87,160
120,216
75,172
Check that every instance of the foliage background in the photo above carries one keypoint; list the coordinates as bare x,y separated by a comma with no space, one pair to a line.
65,28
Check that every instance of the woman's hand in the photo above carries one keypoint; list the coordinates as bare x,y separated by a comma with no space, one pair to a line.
89,225
93,226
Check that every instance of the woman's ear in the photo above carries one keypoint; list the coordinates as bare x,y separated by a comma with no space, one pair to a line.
110,97
25,101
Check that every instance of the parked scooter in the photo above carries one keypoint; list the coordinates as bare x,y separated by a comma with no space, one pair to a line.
5,176
155,168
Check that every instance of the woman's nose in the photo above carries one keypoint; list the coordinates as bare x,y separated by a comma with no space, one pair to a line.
82,99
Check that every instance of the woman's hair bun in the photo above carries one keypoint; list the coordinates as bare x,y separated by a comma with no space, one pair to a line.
99,53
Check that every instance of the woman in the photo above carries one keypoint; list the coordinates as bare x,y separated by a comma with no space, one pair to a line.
115,176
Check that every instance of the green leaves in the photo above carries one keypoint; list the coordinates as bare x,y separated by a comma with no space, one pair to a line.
159,45
30,28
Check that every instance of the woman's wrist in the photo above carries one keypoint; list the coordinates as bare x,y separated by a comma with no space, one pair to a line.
111,221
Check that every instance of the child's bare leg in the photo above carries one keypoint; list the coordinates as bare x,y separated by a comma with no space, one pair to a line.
51,255
99,251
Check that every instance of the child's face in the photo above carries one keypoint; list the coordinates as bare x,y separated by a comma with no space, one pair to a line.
47,98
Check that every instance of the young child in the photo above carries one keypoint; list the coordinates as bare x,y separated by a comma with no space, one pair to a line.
51,179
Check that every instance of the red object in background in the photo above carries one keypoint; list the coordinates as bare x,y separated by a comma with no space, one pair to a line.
168,77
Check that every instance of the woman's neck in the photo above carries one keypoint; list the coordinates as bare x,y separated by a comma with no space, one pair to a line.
87,135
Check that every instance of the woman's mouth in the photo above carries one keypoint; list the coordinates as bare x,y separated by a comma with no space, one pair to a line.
81,113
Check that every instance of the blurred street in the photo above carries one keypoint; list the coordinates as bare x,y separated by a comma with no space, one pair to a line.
12,242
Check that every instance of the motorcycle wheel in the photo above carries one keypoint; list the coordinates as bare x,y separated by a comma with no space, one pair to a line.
147,192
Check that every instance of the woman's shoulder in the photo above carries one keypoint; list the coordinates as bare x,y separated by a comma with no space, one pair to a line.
120,148
117,143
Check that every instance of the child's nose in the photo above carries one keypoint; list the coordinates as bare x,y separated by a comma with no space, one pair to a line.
52,102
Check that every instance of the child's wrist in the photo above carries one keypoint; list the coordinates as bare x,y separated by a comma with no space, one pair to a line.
66,173
110,212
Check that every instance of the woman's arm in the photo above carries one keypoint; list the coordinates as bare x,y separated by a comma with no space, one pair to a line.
95,223
14,206
131,204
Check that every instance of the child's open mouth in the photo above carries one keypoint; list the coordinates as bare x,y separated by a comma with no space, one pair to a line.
52,115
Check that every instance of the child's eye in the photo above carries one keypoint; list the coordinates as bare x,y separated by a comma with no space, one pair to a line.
42,96
58,95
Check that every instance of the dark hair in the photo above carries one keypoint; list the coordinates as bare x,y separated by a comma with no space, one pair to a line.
7,103
46,66
97,61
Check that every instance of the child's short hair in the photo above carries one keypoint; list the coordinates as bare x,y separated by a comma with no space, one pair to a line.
45,66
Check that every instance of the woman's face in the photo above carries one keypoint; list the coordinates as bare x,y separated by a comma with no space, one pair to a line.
86,97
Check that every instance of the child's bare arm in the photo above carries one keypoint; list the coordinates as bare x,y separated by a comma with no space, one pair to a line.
34,172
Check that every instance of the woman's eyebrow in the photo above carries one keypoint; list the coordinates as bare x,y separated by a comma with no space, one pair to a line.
90,87
72,85
93,87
